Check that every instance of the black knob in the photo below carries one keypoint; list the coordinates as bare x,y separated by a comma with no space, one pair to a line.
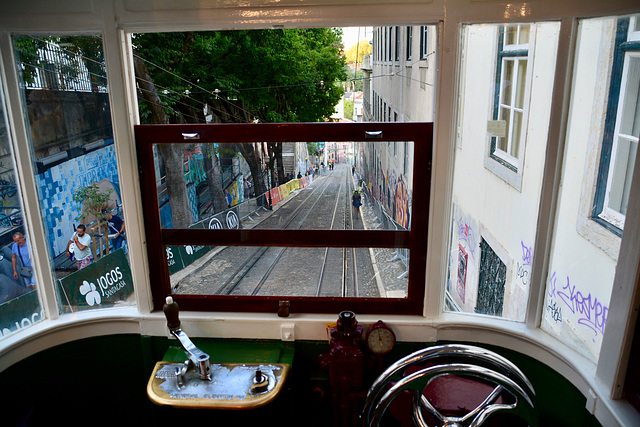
172,312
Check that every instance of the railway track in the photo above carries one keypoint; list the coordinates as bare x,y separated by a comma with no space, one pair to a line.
326,204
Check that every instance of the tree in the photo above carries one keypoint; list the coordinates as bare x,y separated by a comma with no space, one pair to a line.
93,203
356,53
266,75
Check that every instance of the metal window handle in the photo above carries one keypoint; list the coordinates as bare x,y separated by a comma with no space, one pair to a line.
373,134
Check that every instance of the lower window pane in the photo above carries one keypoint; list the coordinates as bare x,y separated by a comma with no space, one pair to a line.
290,271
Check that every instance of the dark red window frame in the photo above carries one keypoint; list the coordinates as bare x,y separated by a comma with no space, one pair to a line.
415,239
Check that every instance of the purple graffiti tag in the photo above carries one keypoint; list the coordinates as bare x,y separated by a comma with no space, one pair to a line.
593,312
552,285
526,254
467,235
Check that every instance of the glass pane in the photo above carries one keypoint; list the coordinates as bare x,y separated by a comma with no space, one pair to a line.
630,114
19,301
522,78
67,102
493,225
524,34
511,35
269,271
503,142
623,166
515,137
584,254
507,82
635,19
252,185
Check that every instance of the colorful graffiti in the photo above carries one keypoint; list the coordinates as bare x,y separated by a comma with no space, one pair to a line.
401,214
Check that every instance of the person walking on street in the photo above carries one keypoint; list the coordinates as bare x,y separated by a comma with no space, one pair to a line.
116,229
356,201
79,244
20,249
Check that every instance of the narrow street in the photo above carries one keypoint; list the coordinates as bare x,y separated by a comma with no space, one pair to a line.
326,272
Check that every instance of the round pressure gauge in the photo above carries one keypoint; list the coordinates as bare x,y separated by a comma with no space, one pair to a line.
380,338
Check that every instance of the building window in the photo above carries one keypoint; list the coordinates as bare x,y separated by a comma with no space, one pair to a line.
491,283
409,42
507,146
622,129
424,42
397,40
390,45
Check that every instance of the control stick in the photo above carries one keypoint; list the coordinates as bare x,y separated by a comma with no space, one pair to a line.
197,357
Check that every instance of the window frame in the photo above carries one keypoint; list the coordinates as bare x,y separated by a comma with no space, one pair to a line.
424,41
626,46
409,42
413,239
503,164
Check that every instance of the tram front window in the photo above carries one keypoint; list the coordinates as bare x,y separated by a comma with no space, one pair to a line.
308,220
292,199
294,186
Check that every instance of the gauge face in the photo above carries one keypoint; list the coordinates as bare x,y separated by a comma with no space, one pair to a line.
380,338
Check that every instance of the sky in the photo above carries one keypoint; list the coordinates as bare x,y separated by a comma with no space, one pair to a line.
350,35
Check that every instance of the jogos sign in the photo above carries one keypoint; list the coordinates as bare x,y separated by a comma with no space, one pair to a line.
100,283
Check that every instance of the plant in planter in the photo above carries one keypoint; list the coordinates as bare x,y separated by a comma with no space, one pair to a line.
93,201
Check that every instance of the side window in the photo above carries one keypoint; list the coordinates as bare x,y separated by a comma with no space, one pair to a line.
622,128
494,225
19,302
65,93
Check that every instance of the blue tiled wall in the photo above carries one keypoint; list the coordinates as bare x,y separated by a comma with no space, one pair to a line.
56,187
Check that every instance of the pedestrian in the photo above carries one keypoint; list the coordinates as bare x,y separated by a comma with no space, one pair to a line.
227,196
353,170
79,245
356,201
116,229
20,249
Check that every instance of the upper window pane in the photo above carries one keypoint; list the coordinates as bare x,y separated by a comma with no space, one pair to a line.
69,121
493,224
238,181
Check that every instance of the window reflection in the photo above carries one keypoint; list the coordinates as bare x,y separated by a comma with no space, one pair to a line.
19,302
66,97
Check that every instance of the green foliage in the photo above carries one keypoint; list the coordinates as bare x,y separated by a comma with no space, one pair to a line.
348,109
93,201
285,75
